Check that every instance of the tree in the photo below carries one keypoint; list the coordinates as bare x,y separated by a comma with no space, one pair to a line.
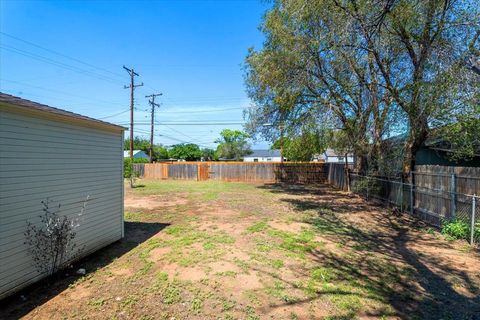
312,69
367,68
209,154
138,144
159,151
304,146
233,144
185,151
418,51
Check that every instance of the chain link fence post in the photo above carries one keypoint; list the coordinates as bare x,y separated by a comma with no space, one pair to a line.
453,196
472,224
411,193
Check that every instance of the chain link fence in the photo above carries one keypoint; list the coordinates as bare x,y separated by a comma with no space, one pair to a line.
436,206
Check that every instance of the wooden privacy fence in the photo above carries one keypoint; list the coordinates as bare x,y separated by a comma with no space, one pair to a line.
438,192
261,172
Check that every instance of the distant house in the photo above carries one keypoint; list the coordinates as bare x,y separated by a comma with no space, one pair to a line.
137,154
331,156
49,154
434,151
263,156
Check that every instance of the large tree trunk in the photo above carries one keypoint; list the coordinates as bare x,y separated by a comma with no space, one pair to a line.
417,136
361,164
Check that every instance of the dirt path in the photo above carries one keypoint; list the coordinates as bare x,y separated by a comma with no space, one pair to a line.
239,251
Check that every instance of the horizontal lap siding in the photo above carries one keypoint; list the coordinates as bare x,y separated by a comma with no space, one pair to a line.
42,159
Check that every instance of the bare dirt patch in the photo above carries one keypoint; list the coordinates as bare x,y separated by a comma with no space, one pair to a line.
264,252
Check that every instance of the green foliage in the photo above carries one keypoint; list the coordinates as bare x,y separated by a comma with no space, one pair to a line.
366,71
128,168
233,144
159,152
209,154
185,151
457,229
462,137
304,146
257,227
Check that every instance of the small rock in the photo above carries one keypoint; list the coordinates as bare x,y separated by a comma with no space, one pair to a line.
118,298
81,271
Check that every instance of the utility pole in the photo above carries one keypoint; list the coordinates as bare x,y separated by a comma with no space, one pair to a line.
132,87
282,127
153,104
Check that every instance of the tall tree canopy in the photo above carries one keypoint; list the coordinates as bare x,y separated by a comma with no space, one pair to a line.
233,144
185,151
366,68
159,151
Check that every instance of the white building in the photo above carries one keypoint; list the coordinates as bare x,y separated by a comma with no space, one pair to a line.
49,153
331,156
263,156
137,154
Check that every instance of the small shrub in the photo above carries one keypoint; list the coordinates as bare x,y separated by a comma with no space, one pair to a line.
128,167
51,243
456,229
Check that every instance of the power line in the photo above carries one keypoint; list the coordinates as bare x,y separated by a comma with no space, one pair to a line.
58,64
114,115
204,111
181,133
60,92
61,54
189,123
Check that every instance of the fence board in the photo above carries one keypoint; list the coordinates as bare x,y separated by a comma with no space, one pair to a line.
258,172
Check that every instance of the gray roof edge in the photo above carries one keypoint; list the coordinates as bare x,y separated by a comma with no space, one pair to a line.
25,103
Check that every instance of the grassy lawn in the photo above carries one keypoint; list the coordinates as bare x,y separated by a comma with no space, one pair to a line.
213,250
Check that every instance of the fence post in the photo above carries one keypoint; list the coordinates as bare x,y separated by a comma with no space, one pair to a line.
411,193
453,197
348,180
367,186
401,195
472,225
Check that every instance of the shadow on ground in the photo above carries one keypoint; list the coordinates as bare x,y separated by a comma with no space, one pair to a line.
384,263
24,301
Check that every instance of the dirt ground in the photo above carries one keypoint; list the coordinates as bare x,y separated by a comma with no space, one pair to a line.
212,250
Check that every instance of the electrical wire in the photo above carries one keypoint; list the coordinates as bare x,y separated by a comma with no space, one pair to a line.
59,64
61,54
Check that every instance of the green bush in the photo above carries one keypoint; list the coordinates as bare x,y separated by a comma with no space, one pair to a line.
362,185
456,229
127,166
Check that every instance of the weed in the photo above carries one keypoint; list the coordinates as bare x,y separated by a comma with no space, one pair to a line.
243,265
231,274
228,305
251,315
277,264
257,227
457,229
323,274
97,302
129,302
197,305
133,216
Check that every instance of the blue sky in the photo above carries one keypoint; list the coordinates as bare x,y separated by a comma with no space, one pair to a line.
70,54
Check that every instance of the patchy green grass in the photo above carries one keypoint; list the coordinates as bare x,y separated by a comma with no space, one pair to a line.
257,227
217,250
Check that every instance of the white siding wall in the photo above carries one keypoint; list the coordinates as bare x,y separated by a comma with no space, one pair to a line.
64,162
262,159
